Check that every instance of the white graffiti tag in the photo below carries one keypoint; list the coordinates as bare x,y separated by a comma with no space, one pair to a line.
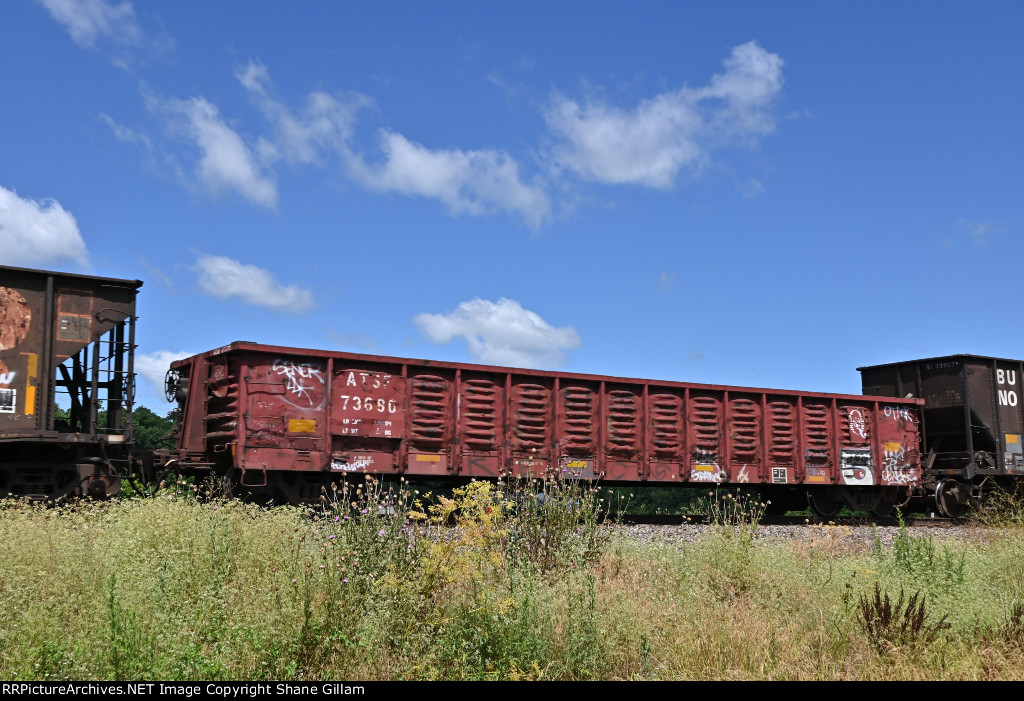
303,381
898,412
858,426
6,378
894,470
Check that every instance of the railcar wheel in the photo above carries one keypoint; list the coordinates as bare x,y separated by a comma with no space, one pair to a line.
950,498
823,501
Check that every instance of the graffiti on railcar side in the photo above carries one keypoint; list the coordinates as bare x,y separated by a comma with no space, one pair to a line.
303,382
661,471
706,468
855,467
894,467
8,400
480,465
816,474
706,472
358,463
8,397
898,412
858,426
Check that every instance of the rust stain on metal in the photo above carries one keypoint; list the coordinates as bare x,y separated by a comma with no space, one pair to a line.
15,318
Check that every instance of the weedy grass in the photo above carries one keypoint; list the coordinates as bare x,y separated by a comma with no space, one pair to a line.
520,580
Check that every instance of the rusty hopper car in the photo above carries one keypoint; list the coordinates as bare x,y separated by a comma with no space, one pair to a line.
287,422
972,422
64,339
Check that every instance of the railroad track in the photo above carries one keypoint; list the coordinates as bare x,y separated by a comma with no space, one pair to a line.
913,521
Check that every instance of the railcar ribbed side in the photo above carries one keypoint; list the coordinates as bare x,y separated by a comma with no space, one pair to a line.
288,422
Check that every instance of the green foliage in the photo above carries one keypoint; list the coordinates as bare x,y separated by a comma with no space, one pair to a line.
920,557
1010,630
380,582
652,500
1003,508
553,525
153,431
729,547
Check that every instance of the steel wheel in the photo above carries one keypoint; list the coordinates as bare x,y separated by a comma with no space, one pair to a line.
950,498
823,501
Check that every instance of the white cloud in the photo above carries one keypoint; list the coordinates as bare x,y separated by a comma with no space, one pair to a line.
87,21
109,26
33,233
652,143
469,182
152,367
125,134
225,162
648,145
323,125
501,333
980,231
254,77
226,278
751,188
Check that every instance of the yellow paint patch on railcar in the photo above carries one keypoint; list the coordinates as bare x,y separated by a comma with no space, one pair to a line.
301,425
30,387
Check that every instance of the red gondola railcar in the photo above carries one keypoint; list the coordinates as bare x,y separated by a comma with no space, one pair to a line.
287,421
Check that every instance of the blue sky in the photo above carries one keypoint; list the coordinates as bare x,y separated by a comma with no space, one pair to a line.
747,193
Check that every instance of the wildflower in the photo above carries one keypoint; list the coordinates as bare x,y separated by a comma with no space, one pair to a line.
330,537
294,581
345,581
383,532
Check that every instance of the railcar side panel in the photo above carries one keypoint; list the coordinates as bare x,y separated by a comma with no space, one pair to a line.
67,339
271,412
973,420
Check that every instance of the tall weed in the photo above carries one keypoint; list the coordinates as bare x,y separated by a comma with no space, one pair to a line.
890,625
920,557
